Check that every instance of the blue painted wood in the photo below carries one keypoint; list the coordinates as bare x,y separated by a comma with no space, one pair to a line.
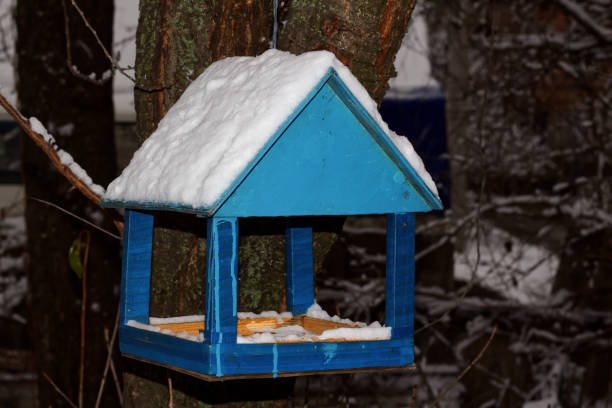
303,124
165,349
383,140
326,163
221,280
136,266
399,302
302,357
241,359
156,206
300,271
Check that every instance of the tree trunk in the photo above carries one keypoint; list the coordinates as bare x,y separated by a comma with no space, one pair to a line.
80,116
176,41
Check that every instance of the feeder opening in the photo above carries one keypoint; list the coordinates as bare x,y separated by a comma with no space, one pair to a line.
317,320
354,287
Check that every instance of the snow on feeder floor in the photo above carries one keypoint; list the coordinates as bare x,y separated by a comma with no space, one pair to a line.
272,327
294,137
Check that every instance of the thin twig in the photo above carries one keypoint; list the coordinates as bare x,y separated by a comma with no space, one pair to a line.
71,67
112,364
425,381
83,312
91,224
109,362
414,396
170,397
466,369
64,396
113,61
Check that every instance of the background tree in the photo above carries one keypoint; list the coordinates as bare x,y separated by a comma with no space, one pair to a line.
528,99
176,41
80,115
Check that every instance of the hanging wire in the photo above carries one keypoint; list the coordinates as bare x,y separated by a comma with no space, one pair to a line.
275,24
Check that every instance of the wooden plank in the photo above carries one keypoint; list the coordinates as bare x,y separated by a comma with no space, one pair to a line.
250,326
165,349
263,359
206,377
136,266
328,163
193,328
221,280
317,326
399,303
301,357
300,273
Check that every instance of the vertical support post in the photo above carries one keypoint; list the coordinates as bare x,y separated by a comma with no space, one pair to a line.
221,280
399,305
300,270
136,267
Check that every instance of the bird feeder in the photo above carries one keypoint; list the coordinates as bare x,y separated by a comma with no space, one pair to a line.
276,135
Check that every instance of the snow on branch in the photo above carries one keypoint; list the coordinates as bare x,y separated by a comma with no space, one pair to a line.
602,33
521,41
62,161
113,61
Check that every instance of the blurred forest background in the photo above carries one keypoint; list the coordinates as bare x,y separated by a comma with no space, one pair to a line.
513,101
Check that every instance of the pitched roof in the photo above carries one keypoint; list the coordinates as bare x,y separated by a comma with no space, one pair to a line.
223,120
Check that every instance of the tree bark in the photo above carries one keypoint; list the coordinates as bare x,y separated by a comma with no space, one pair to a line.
176,41
80,116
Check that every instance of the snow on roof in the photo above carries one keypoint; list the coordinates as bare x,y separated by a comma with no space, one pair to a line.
222,121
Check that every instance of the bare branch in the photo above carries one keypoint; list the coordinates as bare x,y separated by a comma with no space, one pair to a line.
51,153
91,224
87,235
60,392
71,67
464,372
109,363
603,34
113,61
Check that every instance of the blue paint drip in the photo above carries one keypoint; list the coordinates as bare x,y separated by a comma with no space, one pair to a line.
218,355
275,360
215,243
275,24
329,352
233,269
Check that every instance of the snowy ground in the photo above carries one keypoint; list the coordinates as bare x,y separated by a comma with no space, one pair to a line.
13,284
507,265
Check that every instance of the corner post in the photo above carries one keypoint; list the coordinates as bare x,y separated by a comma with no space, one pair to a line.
221,280
300,270
136,267
399,305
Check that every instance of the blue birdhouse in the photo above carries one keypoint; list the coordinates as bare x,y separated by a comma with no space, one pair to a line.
276,135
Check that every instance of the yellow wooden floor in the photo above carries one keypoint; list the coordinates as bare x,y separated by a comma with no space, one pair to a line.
246,326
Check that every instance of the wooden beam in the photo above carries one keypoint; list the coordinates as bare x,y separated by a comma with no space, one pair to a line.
399,304
206,377
300,270
136,266
221,280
